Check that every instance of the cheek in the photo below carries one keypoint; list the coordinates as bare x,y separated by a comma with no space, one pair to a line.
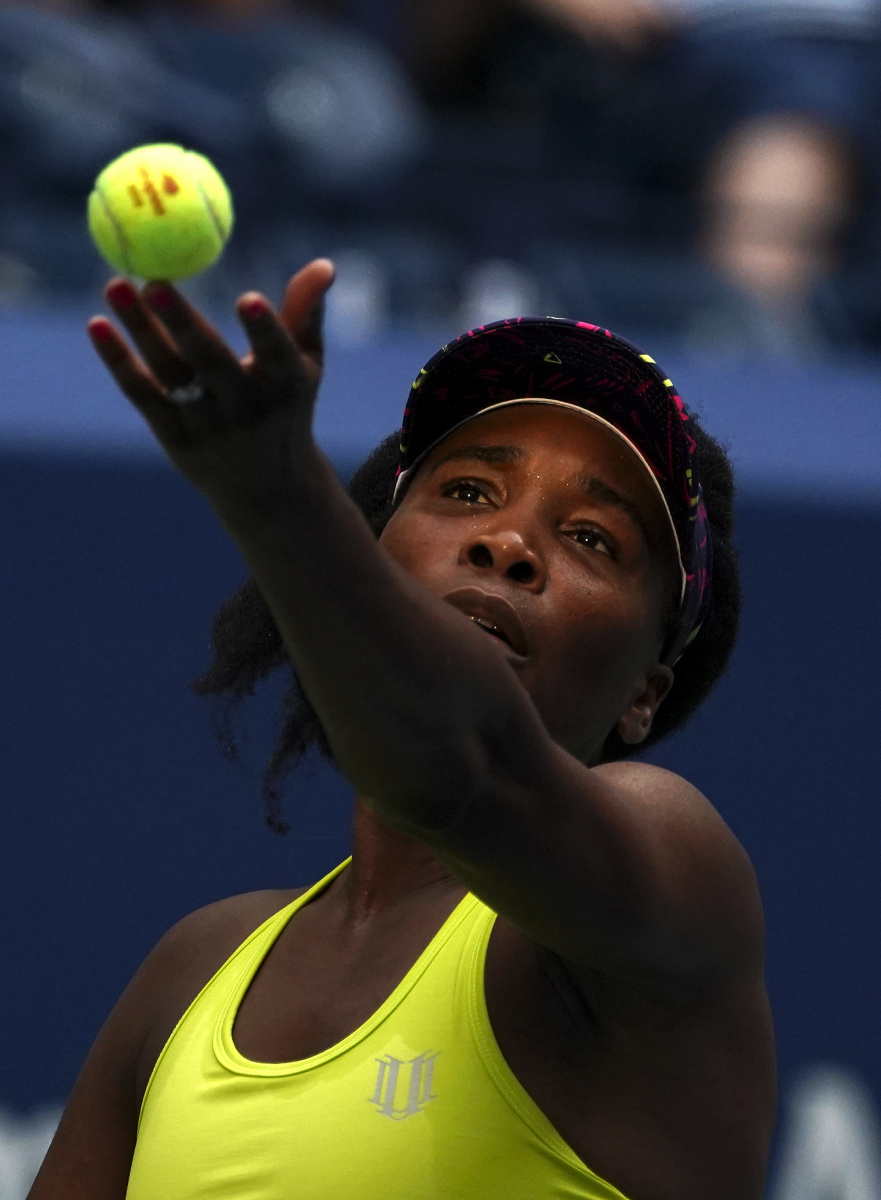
584,681
587,658
418,546
598,642
599,614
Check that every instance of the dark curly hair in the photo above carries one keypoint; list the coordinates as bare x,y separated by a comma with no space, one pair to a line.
247,646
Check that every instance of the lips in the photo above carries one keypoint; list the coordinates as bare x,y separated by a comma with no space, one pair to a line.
492,613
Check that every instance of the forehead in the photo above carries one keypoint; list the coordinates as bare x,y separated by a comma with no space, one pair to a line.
569,441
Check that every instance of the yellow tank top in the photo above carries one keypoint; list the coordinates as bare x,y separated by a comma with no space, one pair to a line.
416,1104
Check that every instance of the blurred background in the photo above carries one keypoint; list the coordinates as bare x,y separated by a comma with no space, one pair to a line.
702,176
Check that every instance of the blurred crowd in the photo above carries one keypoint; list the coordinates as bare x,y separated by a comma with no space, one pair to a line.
705,172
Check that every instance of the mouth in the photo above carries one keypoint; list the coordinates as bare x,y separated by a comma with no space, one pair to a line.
494,615
492,629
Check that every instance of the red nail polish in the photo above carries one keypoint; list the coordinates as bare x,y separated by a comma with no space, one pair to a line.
254,309
101,332
121,295
162,297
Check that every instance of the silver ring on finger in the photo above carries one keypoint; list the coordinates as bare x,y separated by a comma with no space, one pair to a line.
187,393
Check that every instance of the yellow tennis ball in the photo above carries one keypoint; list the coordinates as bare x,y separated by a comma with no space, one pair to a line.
160,212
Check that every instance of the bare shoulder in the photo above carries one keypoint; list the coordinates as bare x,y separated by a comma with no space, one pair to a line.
198,945
183,961
188,956
708,873
209,935
91,1154
668,800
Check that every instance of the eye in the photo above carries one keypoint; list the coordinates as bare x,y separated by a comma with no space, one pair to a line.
467,491
593,539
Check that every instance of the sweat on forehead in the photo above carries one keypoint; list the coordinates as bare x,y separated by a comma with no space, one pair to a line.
502,436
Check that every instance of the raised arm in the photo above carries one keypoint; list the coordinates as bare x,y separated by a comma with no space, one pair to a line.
621,868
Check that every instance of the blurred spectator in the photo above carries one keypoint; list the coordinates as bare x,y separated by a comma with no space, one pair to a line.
779,195
733,143
703,170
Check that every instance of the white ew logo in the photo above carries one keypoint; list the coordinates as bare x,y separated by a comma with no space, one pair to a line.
416,1093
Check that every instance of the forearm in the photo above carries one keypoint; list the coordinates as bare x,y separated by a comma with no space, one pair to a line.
415,700
417,703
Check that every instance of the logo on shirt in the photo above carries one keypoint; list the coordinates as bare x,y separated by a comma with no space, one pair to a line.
401,1092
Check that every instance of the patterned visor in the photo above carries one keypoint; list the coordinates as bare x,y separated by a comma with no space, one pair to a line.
552,360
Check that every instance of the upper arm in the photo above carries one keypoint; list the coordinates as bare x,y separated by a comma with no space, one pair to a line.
91,1154
625,868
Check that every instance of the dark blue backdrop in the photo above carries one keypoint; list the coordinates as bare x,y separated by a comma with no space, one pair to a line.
119,814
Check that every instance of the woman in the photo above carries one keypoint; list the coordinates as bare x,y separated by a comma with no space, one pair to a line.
540,973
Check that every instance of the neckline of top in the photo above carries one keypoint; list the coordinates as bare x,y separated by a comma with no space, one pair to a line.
225,1049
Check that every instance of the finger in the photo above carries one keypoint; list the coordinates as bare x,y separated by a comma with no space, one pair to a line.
302,310
199,343
149,335
134,380
274,352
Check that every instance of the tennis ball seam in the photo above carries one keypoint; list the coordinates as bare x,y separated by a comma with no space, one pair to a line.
120,237
215,220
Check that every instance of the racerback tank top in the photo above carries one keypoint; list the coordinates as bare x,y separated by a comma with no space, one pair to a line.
416,1104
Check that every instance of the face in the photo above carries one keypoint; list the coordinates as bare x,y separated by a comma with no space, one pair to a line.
544,524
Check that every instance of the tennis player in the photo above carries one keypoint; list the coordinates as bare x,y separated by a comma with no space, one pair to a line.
540,973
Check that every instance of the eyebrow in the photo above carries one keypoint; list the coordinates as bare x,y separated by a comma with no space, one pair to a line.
597,489
482,453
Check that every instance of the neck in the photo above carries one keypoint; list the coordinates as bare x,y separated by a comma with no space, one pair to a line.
386,868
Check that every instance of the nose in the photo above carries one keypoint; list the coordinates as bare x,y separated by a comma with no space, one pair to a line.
505,552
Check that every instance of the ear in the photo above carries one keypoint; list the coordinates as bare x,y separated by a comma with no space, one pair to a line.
635,722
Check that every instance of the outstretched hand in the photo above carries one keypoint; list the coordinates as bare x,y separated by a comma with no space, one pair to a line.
247,427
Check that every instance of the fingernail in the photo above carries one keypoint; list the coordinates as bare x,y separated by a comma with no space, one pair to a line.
162,297
121,294
101,332
254,309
